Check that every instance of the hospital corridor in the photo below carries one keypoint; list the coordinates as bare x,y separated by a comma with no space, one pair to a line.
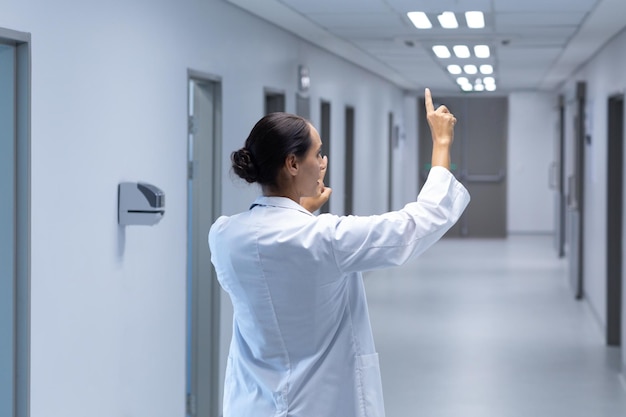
486,328
144,144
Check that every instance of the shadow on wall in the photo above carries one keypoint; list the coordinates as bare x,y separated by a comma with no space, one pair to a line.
121,242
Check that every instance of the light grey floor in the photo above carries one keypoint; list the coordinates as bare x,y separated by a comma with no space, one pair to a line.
489,328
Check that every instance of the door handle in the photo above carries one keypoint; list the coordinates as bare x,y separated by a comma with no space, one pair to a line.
553,182
483,178
572,198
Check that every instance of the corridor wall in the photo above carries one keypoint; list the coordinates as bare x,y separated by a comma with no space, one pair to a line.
605,76
109,104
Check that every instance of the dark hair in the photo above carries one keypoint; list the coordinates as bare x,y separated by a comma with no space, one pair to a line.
271,140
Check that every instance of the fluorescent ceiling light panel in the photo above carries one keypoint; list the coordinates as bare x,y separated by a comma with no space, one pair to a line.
420,20
461,51
441,51
454,69
482,51
470,69
486,69
447,20
475,20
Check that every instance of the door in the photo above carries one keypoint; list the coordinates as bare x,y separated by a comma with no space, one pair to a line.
303,106
348,202
557,181
325,135
614,226
575,194
478,160
274,101
204,206
14,223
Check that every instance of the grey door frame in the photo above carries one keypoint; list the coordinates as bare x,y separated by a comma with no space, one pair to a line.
576,196
390,147
325,123
559,186
21,41
615,221
203,391
348,202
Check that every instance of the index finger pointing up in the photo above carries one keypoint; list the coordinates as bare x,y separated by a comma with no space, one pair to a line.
428,99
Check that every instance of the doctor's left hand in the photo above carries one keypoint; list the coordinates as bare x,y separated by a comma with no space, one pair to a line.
314,203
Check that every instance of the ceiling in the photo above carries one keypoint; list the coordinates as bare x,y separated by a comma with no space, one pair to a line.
535,44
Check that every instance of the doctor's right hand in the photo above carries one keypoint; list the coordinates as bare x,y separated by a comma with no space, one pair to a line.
441,121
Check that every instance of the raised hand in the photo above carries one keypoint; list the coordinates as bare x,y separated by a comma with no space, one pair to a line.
441,123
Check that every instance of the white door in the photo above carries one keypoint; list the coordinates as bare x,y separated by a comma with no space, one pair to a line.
204,203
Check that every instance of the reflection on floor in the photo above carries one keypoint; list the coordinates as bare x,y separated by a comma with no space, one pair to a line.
490,328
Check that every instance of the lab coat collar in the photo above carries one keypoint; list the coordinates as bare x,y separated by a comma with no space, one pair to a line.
282,202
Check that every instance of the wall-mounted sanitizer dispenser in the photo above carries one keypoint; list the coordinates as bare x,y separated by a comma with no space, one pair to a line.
140,203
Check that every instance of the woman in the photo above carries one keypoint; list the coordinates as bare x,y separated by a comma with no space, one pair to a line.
302,344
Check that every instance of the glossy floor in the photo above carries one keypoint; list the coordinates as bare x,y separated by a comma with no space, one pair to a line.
490,328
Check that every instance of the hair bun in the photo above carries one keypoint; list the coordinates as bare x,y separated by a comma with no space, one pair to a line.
244,166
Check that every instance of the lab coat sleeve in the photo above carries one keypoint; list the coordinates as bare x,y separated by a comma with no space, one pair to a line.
362,243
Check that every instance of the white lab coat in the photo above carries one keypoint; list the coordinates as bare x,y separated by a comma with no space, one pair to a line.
302,344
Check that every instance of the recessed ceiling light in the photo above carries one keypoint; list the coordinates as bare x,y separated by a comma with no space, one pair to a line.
489,81
454,69
490,87
467,87
486,69
470,69
475,20
420,20
462,80
482,51
461,51
447,20
441,51
479,87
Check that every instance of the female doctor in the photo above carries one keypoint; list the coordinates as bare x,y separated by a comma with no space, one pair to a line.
302,344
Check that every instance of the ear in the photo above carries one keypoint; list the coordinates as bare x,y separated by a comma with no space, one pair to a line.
292,165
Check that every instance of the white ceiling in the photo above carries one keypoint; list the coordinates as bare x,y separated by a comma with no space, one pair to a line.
536,44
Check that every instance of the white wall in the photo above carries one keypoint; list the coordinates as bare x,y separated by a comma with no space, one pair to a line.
109,105
406,156
605,76
532,135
